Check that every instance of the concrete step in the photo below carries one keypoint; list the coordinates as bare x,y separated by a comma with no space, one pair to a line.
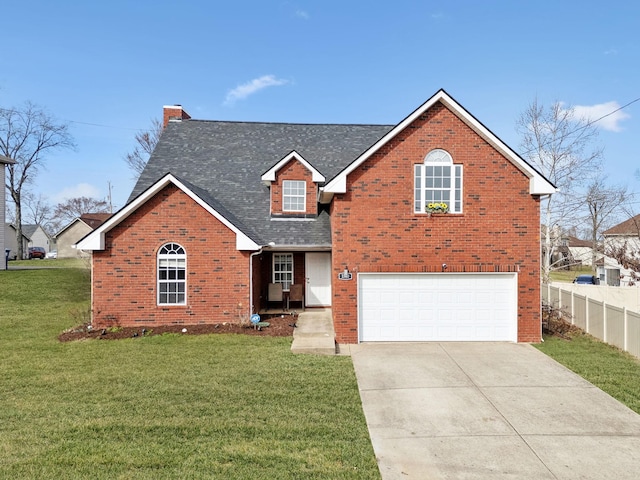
314,333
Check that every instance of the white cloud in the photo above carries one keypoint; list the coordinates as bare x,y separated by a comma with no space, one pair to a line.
302,14
79,190
593,112
243,91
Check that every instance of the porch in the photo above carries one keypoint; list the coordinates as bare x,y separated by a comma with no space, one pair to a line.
291,282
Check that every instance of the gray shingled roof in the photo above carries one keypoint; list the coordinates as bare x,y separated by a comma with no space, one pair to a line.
223,162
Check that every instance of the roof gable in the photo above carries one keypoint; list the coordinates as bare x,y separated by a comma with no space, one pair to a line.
538,184
270,175
96,239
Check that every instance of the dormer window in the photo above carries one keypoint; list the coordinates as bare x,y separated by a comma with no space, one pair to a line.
438,180
294,194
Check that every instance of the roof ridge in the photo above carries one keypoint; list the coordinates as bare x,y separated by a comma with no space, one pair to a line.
255,122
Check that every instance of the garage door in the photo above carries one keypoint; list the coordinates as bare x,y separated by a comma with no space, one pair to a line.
437,307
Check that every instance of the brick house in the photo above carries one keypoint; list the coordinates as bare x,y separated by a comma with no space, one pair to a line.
424,230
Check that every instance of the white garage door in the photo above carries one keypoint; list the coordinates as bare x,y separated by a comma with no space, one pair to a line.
437,307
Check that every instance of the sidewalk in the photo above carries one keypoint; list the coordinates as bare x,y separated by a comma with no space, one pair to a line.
314,333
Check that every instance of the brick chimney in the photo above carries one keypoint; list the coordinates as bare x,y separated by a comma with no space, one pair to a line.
174,112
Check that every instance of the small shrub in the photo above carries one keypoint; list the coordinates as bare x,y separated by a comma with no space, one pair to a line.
556,321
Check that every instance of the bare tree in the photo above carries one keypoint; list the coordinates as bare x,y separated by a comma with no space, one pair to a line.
601,202
27,135
37,210
146,142
558,144
73,208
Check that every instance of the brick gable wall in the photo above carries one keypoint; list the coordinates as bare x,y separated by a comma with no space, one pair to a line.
374,227
124,290
294,170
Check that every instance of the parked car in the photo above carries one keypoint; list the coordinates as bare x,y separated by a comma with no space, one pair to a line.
586,280
37,252
52,254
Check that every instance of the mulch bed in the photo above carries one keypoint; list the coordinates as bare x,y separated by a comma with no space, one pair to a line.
279,326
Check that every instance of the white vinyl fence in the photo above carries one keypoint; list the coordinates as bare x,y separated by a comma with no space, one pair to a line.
612,324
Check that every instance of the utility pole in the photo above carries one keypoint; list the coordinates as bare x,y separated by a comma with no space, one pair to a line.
110,202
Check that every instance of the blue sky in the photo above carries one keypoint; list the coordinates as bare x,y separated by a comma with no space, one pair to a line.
107,68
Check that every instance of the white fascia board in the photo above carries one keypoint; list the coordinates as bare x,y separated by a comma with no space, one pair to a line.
538,184
270,175
339,183
95,240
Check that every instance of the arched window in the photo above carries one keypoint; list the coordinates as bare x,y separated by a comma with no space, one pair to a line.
438,181
172,280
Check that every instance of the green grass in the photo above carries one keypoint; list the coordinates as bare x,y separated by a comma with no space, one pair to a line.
51,263
171,406
607,367
569,275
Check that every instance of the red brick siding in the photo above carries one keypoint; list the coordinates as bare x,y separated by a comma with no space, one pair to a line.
374,227
124,286
294,170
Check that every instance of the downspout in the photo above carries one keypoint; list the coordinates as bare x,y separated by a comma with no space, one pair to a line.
251,306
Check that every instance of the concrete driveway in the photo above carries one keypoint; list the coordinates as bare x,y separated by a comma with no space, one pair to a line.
490,411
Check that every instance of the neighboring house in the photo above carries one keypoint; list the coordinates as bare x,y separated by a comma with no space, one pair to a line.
580,252
624,235
37,236
4,161
223,210
622,238
11,239
75,230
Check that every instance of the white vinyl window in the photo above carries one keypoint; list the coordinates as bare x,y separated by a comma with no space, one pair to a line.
438,181
283,269
294,195
172,280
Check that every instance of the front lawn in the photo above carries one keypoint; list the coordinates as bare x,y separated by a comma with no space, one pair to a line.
166,406
608,368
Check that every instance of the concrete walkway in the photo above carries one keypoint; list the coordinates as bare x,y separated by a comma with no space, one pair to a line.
489,411
314,333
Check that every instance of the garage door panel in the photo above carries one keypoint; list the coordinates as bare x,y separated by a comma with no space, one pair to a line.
437,307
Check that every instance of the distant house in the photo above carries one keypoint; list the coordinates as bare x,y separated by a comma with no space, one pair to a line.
37,236
623,238
625,234
10,235
3,240
77,229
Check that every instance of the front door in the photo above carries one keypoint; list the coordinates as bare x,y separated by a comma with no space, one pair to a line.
318,270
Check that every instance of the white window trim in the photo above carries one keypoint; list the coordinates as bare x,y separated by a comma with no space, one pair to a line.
294,196
285,287
171,256
439,157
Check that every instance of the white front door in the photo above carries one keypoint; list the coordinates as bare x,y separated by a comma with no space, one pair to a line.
318,271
